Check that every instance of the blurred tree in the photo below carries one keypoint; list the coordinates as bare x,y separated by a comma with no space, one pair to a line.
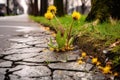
66,6
35,7
60,7
30,7
104,10
43,7
8,12
83,7
16,6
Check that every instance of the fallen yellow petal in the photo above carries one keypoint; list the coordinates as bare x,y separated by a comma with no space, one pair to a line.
107,69
79,61
83,54
94,60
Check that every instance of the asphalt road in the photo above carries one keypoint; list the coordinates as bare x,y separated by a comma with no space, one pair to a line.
14,25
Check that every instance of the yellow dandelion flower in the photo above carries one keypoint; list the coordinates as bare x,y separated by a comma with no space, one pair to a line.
52,9
49,15
94,60
106,69
83,54
76,15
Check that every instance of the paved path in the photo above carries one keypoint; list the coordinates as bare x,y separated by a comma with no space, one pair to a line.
11,26
28,57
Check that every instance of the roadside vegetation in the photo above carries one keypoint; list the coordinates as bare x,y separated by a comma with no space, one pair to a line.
65,20
104,35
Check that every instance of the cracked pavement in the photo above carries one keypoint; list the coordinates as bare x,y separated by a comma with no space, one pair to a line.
29,58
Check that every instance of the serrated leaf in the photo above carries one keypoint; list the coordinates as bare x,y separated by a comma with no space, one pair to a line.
60,39
51,44
51,40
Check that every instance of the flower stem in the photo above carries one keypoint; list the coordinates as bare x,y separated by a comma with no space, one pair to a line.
53,26
69,33
57,20
70,30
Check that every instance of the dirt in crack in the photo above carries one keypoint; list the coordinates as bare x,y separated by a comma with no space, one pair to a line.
7,75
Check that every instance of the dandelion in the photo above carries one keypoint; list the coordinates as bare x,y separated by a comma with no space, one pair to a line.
52,9
106,69
83,54
76,15
49,15
94,60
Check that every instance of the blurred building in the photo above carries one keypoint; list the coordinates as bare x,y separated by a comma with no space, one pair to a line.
11,7
15,7
82,6
2,8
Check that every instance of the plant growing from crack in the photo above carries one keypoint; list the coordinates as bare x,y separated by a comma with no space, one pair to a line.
64,38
